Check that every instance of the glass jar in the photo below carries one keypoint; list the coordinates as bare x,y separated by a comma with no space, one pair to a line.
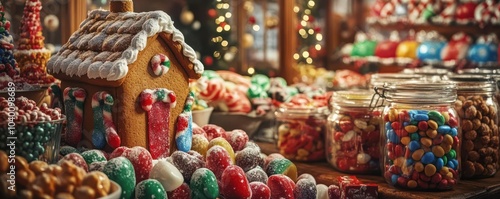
301,133
421,135
353,133
477,108
379,79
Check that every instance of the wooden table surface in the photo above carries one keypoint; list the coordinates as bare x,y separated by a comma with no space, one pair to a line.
326,174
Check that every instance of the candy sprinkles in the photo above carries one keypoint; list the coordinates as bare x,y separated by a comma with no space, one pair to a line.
104,128
73,104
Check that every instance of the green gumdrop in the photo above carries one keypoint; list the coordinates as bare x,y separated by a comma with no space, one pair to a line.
93,155
427,14
203,184
363,49
282,166
67,150
256,91
150,188
210,74
436,116
261,81
121,171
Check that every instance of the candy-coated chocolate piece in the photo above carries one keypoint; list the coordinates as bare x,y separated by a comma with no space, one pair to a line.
149,188
167,174
121,171
203,184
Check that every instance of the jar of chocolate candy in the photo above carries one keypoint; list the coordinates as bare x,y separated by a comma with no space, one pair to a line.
300,127
477,108
353,133
420,135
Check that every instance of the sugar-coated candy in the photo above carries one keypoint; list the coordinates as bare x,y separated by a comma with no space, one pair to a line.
249,158
253,145
281,186
224,144
203,184
182,192
117,152
149,188
200,144
167,174
198,130
282,166
237,138
188,162
306,176
217,160
76,159
121,170
257,174
270,157
97,166
305,188
333,191
322,191
93,155
234,183
260,190
141,160
213,131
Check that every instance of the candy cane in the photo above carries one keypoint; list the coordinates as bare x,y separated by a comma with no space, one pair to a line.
73,105
104,127
160,64
158,103
184,127
56,95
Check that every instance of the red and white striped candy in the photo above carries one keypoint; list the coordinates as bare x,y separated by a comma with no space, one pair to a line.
485,12
160,64
74,127
215,90
237,102
495,19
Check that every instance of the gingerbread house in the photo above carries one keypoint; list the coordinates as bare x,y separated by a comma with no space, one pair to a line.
125,78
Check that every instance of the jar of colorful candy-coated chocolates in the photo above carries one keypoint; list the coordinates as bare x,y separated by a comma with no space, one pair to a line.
421,135
353,133
301,132
477,108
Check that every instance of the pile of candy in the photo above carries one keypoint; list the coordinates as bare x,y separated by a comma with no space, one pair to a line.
351,187
421,149
35,126
41,180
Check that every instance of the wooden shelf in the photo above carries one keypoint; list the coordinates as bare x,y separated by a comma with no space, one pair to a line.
325,174
445,30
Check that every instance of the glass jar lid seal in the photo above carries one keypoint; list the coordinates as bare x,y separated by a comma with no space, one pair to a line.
380,79
474,82
416,92
353,98
301,112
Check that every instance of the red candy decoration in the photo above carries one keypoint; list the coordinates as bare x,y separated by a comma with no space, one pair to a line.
141,160
217,160
234,183
117,152
213,131
281,186
182,192
237,139
260,190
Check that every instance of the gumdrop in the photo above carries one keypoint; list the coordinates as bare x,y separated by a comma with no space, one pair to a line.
282,166
260,190
249,158
224,144
142,161
200,144
167,174
305,188
253,145
213,131
76,159
93,155
281,186
256,174
237,138
234,183
121,171
270,157
333,191
117,152
197,130
182,192
217,160
149,188
203,184
186,163
97,166
322,191
307,176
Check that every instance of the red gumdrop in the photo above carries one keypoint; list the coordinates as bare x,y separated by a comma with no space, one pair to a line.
234,183
76,159
260,190
333,191
213,131
237,138
218,160
141,160
346,125
199,130
182,192
338,136
281,186
117,152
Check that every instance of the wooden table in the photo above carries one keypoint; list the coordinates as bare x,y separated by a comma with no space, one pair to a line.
325,174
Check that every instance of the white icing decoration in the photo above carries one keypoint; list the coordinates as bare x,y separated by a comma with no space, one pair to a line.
152,23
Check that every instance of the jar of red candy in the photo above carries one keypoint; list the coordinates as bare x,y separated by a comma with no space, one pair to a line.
300,126
477,108
421,135
353,133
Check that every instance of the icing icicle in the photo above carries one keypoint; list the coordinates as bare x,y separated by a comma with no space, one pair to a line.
73,106
104,128
158,103
184,129
160,64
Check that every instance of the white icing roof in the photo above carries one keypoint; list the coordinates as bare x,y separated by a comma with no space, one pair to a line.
107,43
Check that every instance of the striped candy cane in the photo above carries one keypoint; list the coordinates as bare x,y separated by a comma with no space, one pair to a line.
104,128
184,126
73,106
158,103
160,64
